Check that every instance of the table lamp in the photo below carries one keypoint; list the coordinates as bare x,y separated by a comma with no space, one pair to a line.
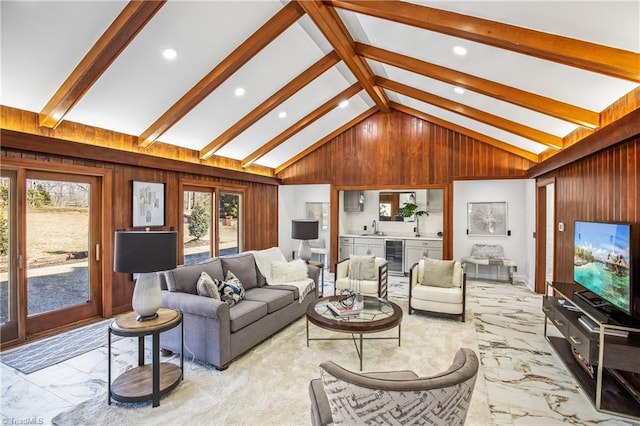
145,253
304,230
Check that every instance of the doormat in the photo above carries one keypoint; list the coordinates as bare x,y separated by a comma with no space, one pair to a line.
44,353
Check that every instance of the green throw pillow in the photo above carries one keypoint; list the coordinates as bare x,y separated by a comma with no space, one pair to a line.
231,289
438,273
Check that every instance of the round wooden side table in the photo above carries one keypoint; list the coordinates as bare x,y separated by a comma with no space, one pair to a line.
151,381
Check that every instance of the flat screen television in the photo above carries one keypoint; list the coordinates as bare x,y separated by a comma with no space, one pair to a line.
602,262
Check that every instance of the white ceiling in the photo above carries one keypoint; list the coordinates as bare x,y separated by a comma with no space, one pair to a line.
43,41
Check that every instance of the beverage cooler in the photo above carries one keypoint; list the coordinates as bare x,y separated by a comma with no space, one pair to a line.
394,252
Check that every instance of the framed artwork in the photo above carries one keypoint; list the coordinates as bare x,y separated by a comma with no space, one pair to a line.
148,204
319,212
487,219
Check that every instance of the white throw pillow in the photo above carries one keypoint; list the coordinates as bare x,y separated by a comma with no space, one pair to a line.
457,275
438,273
207,287
362,267
286,272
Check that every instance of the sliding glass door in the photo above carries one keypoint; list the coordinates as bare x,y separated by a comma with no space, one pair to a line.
8,257
198,228
50,233
230,206
62,281
212,224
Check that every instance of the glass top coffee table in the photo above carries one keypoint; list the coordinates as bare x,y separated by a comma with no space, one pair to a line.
376,315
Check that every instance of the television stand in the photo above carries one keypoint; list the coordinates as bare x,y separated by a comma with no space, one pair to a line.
590,303
603,356
592,298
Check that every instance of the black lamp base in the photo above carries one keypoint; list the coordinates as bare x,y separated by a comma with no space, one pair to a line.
147,317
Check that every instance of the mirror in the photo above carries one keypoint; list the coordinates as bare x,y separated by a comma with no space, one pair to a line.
390,202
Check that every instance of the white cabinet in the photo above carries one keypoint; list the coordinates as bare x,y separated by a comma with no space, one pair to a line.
346,248
353,201
375,246
360,246
435,200
414,250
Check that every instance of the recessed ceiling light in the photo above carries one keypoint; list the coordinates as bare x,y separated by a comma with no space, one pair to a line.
458,90
343,104
282,114
239,91
169,54
459,50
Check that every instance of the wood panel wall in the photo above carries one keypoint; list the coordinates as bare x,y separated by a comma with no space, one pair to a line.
604,187
399,149
260,199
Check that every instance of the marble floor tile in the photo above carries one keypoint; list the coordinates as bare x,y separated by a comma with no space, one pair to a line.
68,383
526,382
23,402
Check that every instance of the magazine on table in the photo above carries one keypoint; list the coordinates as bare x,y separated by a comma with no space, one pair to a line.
342,310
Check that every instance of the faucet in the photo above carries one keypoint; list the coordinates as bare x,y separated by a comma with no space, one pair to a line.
375,228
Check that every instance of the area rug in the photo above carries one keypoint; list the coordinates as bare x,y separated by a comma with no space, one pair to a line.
269,385
44,353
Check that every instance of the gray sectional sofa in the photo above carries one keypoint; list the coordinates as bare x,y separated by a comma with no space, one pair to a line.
215,333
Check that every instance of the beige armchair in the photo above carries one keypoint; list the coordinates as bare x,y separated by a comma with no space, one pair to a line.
372,269
438,286
397,397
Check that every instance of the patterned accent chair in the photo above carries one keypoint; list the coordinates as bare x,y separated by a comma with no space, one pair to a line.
374,271
399,397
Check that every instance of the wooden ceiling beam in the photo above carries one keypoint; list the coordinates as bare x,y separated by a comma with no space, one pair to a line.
327,139
467,132
332,27
236,59
113,41
625,127
563,111
564,50
473,113
316,114
270,104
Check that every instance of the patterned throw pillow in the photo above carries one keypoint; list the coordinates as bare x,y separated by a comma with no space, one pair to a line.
207,287
231,289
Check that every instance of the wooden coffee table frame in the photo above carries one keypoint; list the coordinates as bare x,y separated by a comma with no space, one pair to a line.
354,328
146,382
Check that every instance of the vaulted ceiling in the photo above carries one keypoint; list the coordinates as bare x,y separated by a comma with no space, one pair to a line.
533,71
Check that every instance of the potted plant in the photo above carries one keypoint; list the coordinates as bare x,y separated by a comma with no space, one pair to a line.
411,209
